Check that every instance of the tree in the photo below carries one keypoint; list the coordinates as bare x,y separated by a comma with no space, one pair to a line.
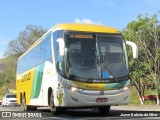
16,48
146,33
25,39
9,72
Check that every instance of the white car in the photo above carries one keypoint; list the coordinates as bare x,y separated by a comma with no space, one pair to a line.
9,99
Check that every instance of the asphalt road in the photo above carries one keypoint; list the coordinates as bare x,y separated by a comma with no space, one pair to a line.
117,112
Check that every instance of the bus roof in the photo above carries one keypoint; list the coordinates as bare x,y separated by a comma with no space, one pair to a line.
87,28
77,27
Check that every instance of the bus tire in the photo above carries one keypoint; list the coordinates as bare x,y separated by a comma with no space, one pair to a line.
54,109
25,107
104,110
33,108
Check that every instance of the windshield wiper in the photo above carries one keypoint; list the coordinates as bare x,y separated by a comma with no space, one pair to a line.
117,78
122,78
106,66
114,77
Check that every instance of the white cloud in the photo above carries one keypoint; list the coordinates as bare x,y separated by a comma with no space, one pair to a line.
87,21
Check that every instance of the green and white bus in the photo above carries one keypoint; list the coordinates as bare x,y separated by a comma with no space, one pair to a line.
75,66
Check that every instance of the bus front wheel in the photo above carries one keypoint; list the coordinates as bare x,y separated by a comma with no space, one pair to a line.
104,110
54,109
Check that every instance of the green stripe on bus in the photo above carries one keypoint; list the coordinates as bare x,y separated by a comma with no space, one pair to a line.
37,81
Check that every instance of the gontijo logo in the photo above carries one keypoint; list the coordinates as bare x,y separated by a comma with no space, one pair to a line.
26,77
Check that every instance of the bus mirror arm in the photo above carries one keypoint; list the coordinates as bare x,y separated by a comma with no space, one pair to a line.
134,49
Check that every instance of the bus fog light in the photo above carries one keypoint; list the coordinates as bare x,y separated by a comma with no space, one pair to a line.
73,89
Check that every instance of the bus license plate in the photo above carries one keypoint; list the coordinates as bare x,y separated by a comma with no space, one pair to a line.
102,100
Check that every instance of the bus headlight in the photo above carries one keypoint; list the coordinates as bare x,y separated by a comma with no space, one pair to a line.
125,88
73,89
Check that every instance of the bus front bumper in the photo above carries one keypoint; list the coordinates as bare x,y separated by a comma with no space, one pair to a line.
95,98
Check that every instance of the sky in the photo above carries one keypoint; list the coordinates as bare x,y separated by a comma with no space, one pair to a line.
15,15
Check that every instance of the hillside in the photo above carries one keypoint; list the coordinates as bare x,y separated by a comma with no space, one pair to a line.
7,74
2,64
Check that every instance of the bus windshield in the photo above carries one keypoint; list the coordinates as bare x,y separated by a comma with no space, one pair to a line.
95,56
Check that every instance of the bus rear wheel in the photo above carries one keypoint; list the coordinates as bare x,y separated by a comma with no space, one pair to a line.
104,110
33,108
25,107
54,109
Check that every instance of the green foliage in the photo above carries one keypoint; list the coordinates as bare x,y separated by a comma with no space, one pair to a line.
9,73
25,39
134,96
150,102
145,32
16,48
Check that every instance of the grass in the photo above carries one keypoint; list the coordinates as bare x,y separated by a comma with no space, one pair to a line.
134,97
150,102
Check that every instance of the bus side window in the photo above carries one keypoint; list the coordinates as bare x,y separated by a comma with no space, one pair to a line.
47,48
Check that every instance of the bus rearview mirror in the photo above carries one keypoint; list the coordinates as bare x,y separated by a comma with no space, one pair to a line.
61,46
134,48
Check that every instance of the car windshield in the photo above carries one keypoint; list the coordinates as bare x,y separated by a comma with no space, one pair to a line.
10,96
95,56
